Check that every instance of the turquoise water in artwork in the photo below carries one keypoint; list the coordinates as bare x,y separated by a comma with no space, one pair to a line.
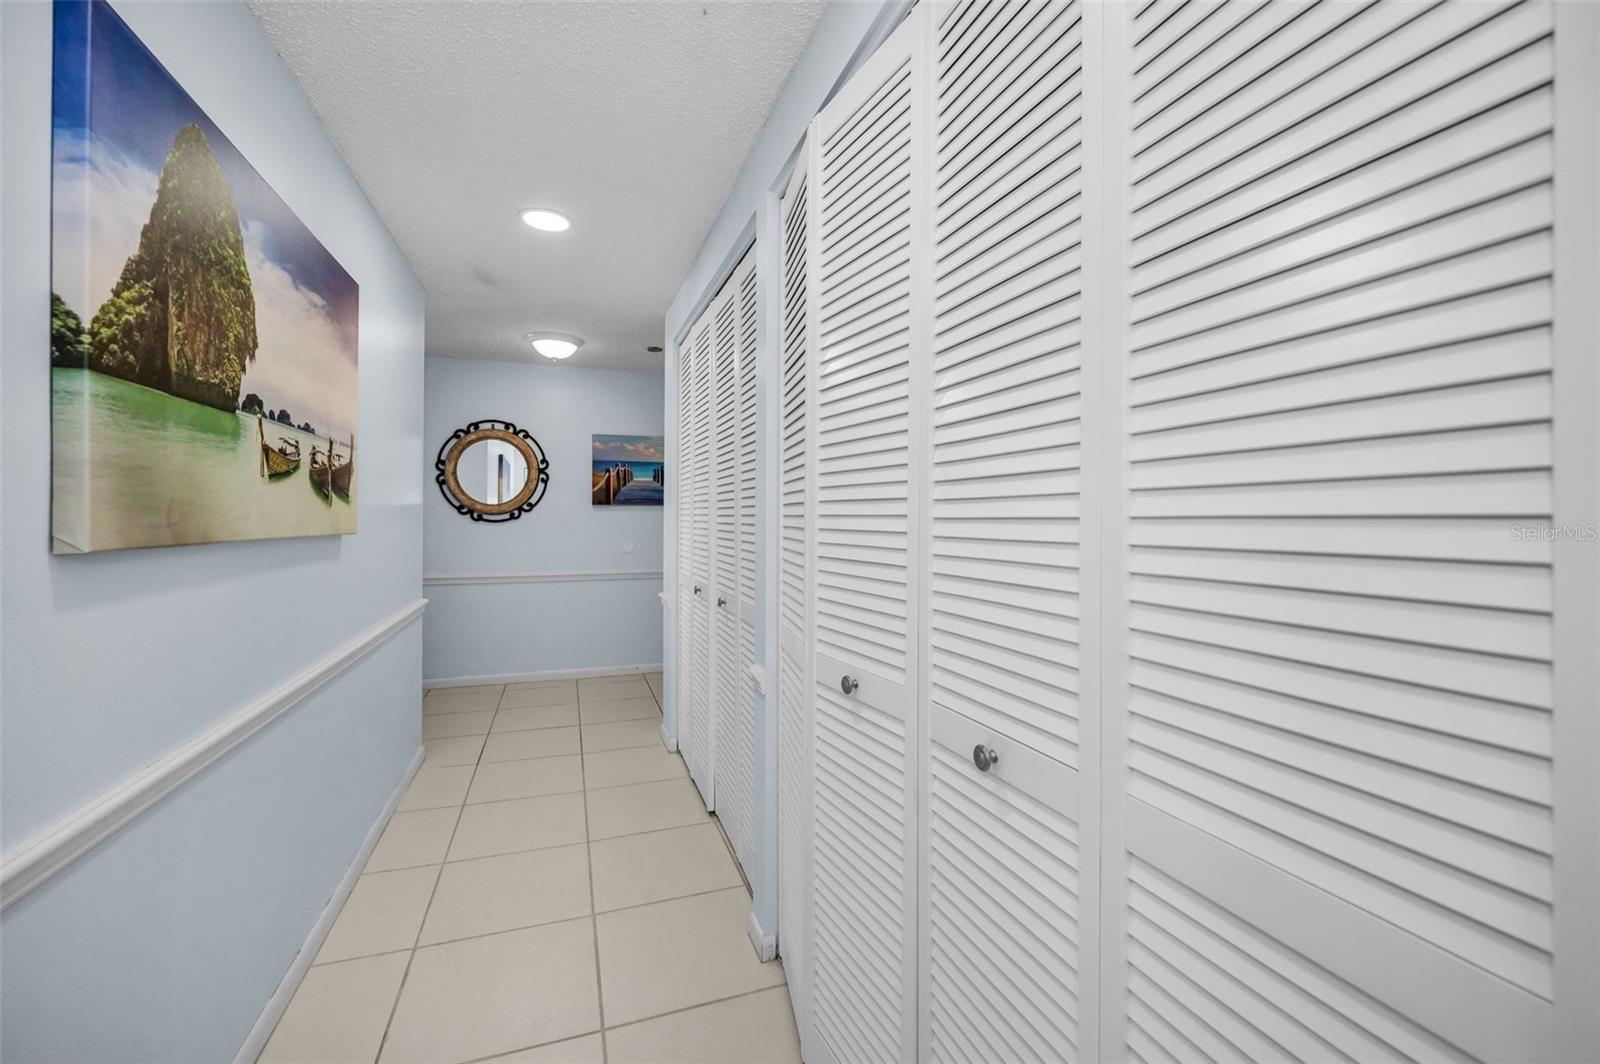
642,490
135,467
641,470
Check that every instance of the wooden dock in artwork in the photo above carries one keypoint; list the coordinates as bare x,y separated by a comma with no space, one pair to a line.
609,484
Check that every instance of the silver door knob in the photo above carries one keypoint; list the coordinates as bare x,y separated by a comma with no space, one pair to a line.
848,684
721,601
984,757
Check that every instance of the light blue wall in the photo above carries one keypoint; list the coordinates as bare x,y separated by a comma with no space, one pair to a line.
511,629
166,942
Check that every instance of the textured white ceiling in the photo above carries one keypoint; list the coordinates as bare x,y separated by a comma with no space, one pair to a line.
631,117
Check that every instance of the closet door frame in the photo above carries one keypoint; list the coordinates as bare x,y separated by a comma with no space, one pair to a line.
1575,463
1104,339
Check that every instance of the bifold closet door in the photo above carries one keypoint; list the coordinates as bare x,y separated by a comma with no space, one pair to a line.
735,537
717,712
1011,870
795,698
694,554
1356,811
723,458
869,165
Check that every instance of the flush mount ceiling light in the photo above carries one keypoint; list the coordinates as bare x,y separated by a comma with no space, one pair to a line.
554,345
544,219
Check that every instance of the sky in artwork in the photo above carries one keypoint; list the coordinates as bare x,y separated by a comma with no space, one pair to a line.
115,114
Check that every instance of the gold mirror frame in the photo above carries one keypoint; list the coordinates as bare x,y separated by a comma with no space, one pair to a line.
461,500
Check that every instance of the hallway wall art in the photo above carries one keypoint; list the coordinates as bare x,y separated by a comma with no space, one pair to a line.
627,470
203,343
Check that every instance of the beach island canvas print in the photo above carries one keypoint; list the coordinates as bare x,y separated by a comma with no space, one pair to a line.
202,341
629,470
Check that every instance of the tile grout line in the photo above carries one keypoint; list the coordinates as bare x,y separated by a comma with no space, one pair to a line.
633,1023
525,927
529,797
556,846
405,976
702,1005
460,808
594,918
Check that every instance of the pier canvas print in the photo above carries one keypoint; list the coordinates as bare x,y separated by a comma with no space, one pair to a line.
202,341
629,470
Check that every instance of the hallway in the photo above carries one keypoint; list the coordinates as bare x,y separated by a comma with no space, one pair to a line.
549,889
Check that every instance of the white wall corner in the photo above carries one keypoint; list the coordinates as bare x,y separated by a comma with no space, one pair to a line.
668,739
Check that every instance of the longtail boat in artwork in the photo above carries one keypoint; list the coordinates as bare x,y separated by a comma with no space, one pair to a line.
342,471
277,461
331,471
320,478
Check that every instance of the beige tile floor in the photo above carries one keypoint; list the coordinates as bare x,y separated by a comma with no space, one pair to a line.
550,889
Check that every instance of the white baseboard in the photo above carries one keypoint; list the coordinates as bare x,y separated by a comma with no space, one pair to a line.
765,945
668,740
36,860
533,677
256,1041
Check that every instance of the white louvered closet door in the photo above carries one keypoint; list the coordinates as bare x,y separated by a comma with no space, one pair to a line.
1007,869
682,468
1335,704
724,458
695,665
794,584
736,593
870,169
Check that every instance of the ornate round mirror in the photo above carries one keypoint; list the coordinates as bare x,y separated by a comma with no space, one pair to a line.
491,471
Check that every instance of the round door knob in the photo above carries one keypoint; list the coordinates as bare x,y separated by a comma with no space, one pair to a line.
721,601
984,757
848,684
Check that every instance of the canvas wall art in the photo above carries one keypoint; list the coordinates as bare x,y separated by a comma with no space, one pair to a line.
629,470
203,343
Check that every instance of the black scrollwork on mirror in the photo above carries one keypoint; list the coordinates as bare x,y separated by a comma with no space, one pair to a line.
491,471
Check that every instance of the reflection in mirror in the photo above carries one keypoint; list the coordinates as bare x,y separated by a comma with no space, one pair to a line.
492,471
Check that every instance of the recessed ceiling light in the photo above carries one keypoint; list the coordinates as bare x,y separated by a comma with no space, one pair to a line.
547,220
554,345
654,349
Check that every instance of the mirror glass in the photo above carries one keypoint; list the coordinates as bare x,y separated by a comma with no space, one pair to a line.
492,471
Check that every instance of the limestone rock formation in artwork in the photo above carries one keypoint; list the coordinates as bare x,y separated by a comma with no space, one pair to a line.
182,316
